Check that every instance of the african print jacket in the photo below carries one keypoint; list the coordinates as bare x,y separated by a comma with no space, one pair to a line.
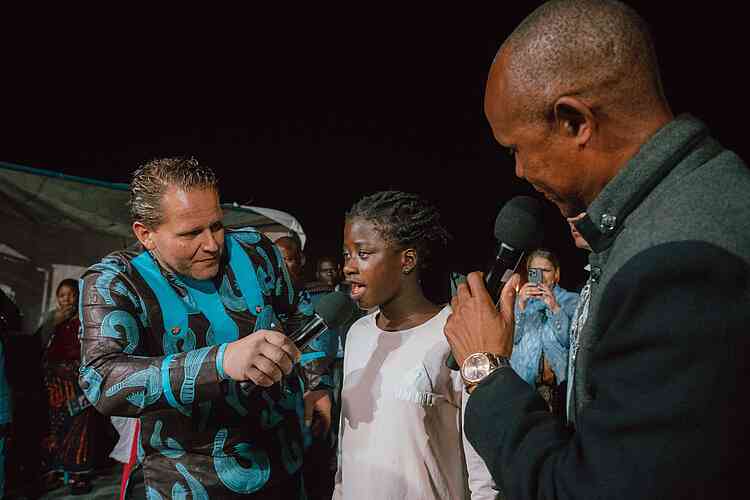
153,345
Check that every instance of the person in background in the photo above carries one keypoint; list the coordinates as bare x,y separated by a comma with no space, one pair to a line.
316,360
328,271
543,313
582,308
294,258
10,318
69,444
578,240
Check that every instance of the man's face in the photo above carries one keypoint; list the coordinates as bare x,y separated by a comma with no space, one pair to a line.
293,259
190,240
544,157
329,272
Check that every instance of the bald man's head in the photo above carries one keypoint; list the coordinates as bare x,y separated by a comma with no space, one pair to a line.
574,92
598,50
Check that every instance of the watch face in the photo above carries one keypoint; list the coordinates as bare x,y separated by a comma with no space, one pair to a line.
476,367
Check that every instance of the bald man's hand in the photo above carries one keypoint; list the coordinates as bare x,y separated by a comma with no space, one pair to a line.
475,324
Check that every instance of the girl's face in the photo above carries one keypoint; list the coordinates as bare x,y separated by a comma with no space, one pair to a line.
66,296
372,265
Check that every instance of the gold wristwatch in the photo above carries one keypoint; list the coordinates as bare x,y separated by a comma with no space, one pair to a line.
479,365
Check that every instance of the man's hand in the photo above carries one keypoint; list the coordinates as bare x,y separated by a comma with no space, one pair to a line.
475,325
318,411
263,357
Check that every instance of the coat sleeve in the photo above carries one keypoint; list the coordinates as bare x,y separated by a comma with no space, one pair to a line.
665,376
116,374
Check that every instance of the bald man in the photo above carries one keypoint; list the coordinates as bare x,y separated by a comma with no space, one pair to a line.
659,367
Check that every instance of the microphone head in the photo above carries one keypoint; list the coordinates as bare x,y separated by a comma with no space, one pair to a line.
519,223
335,309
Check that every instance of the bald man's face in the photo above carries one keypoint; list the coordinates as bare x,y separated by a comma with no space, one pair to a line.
543,156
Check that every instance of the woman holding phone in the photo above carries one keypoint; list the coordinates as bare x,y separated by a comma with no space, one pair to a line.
544,311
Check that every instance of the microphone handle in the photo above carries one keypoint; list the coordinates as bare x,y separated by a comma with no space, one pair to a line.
301,337
506,263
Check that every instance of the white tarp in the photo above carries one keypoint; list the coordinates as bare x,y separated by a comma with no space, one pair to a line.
53,226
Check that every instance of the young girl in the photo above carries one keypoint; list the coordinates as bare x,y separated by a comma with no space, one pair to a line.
401,422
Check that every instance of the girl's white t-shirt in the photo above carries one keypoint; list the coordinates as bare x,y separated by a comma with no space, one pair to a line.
401,431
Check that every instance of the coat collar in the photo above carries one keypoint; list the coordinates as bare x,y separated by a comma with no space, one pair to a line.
641,174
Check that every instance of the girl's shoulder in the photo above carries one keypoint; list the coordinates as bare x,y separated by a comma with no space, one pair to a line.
365,323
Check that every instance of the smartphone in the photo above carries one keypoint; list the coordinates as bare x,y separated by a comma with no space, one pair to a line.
535,276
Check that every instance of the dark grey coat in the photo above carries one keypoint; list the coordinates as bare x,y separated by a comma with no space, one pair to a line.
661,365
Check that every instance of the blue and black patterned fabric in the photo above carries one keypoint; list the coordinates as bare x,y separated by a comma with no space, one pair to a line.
152,347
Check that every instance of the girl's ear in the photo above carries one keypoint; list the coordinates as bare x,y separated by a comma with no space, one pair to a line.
409,260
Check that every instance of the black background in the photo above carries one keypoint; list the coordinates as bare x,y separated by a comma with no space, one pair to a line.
307,110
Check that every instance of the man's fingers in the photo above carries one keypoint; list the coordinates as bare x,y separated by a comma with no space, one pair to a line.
478,289
455,301
277,356
268,368
282,341
259,378
462,294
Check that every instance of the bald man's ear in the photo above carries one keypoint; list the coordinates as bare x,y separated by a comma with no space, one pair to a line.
574,119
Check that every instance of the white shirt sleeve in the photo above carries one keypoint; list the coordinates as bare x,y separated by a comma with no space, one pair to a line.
481,484
338,493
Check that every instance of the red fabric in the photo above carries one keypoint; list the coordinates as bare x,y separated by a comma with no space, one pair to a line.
133,457
65,344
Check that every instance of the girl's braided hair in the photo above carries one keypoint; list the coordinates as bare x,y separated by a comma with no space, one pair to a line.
404,219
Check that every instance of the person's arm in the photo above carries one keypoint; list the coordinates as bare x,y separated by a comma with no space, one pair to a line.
116,374
480,480
664,420
120,378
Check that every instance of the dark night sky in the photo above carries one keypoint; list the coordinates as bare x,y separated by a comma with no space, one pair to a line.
308,115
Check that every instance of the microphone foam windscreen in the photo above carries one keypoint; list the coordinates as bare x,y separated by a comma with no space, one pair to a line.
335,308
519,223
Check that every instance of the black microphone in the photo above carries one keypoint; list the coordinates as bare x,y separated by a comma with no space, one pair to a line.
333,311
518,228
